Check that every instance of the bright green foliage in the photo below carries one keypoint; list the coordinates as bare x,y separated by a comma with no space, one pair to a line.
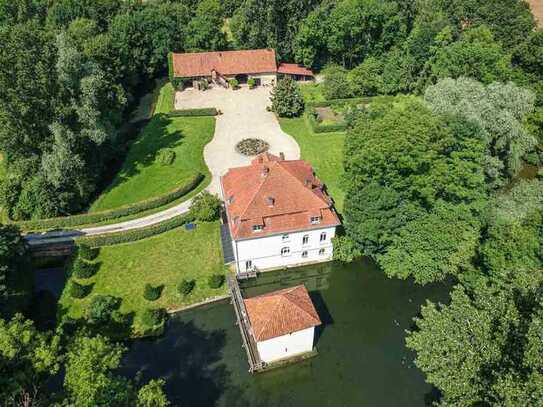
286,98
205,207
233,83
79,291
102,308
83,268
87,252
27,358
152,395
498,110
89,380
216,280
166,156
476,55
186,286
366,79
153,316
204,32
336,84
345,249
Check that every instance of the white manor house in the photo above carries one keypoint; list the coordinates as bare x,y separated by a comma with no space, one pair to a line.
278,214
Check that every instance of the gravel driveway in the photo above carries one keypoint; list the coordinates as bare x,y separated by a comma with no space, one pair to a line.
244,115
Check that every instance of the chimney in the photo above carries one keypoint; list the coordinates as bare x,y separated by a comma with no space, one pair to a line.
307,182
282,156
265,171
270,201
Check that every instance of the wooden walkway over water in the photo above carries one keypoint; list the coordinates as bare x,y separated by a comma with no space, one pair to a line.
249,344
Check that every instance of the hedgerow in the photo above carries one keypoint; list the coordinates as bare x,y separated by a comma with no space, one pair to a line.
203,111
96,217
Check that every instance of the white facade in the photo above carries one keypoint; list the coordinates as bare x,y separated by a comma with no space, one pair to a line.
286,346
284,250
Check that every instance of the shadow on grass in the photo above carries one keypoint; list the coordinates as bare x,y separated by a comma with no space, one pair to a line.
144,150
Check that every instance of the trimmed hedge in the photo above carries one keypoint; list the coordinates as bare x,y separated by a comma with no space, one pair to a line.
186,286
88,218
87,252
215,280
204,111
136,234
151,293
351,101
152,317
79,291
83,269
322,128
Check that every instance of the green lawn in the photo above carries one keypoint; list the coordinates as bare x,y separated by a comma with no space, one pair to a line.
324,151
165,259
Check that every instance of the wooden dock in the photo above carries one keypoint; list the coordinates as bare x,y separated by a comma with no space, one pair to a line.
249,344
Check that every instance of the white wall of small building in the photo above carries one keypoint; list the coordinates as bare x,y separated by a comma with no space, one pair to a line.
286,346
264,253
265,78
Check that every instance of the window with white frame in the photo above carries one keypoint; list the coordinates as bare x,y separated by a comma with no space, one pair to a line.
285,237
257,228
304,254
305,239
321,252
323,236
315,219
285,251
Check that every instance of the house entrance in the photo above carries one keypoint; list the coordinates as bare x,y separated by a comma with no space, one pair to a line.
242,78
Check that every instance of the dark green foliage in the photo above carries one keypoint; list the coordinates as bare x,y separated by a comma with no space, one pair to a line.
153,316
12,262
185,287
87,252
287,101
96,217
102,307
166,156
203,111
205,207
83,268
215,280
204,31
78,290
152,293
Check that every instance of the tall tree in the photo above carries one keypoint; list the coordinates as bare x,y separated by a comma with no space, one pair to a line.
204,31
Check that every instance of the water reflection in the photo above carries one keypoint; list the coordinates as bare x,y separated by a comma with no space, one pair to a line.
362,359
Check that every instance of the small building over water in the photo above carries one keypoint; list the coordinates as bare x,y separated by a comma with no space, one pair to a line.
283,323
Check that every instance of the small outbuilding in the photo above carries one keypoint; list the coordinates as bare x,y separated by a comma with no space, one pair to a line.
283,323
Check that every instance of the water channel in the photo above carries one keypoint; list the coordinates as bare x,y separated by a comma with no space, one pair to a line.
362,358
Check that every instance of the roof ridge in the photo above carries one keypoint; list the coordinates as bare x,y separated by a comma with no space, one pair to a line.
257,190
302,183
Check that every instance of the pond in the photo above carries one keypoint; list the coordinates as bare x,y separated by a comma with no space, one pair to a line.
361,361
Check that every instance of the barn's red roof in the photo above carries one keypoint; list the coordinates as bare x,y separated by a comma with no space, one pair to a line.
294,69
281,312
279,195
224,62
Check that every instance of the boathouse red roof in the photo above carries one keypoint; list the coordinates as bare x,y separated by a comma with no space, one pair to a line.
294,69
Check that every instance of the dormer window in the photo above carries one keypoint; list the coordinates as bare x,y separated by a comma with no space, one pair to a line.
230,199
257,228
315,219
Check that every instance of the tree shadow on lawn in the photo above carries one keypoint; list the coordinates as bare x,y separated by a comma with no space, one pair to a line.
144,150
188,358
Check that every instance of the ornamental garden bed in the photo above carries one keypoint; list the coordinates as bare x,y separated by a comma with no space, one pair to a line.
252,146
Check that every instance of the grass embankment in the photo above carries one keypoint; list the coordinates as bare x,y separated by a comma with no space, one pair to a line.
142,176
165,260
324,152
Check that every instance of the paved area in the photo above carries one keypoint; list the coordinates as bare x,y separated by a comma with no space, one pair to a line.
244,115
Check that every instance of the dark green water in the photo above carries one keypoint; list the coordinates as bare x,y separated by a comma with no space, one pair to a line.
362,359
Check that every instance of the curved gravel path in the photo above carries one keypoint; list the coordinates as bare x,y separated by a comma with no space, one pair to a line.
244,115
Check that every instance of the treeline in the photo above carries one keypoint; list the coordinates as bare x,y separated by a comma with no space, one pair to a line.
70,72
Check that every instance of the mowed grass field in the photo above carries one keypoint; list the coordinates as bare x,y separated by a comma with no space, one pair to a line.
142,176
163,260
324,151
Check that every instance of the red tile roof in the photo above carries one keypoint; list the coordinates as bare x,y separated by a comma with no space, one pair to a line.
224,62
281,195
294,69
281,312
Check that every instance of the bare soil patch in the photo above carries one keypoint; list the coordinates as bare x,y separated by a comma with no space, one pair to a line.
537,10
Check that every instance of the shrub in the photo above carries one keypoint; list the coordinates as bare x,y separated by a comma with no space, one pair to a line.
78,290
102,307
203,85
287,100
252,83
233,83
252,146
215,280
166,156
88,218
87,252
336,83
151,293
205,207
136,234
366,79
152,317
84,269
186,286
203,111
